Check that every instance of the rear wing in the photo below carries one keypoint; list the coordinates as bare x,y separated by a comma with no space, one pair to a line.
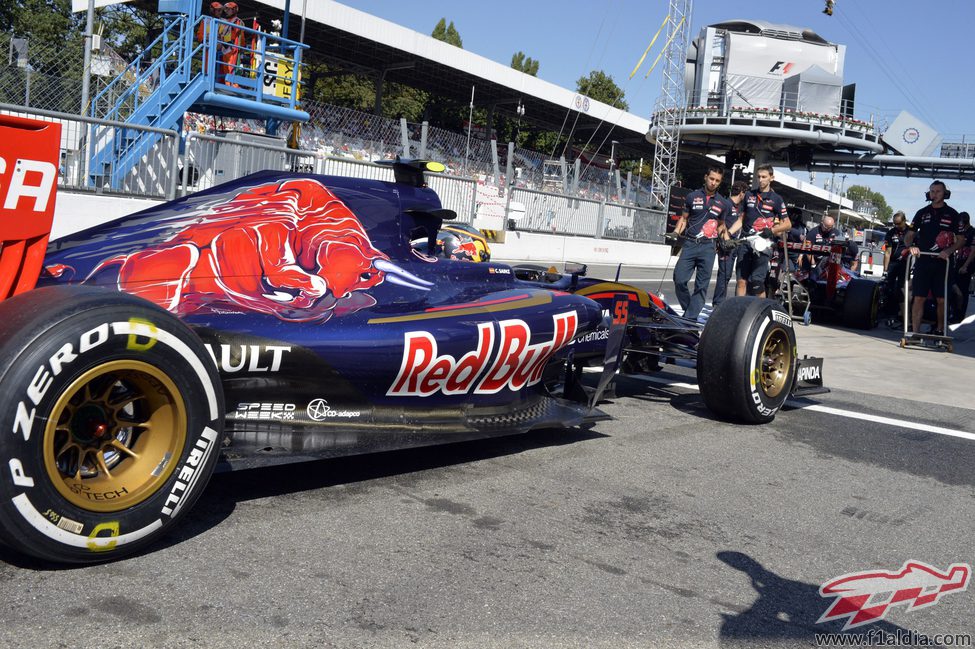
29,151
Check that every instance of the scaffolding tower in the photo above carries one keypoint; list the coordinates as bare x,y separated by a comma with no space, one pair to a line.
668,113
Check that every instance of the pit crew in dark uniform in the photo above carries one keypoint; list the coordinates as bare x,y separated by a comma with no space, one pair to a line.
964,269
935,228
797,234
703,216
851,254
821,235
726,259
895,263
765,213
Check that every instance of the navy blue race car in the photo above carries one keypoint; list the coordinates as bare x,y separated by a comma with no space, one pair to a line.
284,317
279,317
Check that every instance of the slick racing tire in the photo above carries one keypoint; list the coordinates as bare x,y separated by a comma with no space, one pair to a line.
111,417
861,304
746,360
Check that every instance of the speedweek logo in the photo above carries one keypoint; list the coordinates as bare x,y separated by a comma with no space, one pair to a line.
866,597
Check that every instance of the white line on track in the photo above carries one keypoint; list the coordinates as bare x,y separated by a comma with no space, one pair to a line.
889,421
967,321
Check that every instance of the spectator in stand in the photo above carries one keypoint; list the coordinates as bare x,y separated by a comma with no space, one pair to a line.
230,38
965,265
704,209
726,260
895,261
936,228
765,213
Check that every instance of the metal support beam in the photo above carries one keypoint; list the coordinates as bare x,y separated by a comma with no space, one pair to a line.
668,114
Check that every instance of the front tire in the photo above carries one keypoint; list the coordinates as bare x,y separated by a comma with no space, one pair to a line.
112,416
861,304
746,360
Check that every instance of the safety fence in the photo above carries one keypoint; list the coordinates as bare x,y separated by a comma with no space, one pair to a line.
209,160
47,76
559,214
155,175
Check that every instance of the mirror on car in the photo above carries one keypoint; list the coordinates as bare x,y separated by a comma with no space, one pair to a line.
575,268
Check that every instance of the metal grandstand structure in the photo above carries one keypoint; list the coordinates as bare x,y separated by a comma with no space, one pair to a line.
670,106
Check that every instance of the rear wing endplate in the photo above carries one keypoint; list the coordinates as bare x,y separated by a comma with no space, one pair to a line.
29,151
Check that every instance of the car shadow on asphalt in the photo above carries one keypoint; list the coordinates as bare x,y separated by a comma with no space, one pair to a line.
787,612
637,390
225,490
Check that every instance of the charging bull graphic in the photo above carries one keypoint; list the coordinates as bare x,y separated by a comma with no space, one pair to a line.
290,249
866,597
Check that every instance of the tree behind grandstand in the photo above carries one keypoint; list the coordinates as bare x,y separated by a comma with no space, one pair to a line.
858,193
528,65
601,87
447,33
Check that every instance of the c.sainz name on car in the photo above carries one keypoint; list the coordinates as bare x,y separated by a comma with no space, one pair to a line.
516,363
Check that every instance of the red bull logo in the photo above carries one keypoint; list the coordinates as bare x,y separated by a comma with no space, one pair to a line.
290,249
516,363
866,597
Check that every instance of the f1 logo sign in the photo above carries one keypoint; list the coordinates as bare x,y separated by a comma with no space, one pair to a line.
784,66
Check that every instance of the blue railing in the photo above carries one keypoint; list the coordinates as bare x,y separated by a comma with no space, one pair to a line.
182,68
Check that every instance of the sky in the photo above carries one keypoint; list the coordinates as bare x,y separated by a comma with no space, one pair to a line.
902,54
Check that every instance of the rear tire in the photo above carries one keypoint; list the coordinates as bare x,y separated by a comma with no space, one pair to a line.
116,414
861,304
746,360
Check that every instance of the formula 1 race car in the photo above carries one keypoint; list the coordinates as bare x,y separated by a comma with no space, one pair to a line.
283,317
745,355
825,287
278,317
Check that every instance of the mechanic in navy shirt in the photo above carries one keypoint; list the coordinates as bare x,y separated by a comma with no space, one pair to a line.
935,228
821,235
964,269
895,263
700,223
797,234
765,212
726,258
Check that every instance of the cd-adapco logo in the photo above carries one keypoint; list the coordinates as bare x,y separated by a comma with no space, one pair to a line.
866,597
911,135
319,410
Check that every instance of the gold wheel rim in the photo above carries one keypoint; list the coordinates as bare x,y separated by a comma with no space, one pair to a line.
776,363
114,436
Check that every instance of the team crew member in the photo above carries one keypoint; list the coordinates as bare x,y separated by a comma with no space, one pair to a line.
895,263
726,260
797,234
702,217
765,213
965,260
851,254
935,228
821,235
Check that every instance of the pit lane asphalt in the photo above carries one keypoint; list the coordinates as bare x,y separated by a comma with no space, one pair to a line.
660,528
